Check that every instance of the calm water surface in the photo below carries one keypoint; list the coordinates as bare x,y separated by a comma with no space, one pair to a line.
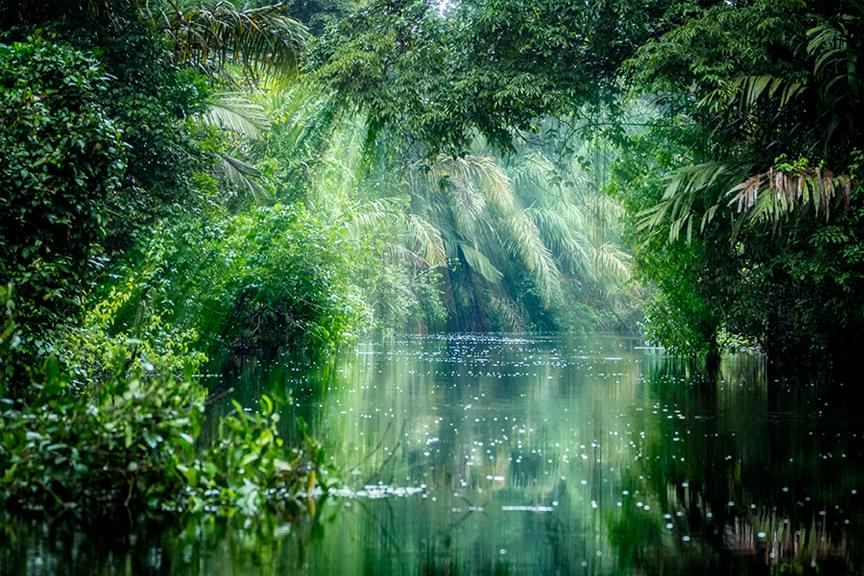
482,454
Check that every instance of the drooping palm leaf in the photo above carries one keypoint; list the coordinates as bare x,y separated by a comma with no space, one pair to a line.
479,178
746,91
480,263
693,197
233,111
611,261
427,239
562,237
236,176
209,35
773,194
527,244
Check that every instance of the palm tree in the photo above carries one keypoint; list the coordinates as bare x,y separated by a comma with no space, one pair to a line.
510,243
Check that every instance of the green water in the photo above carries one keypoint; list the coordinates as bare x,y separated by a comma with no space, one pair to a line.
526,455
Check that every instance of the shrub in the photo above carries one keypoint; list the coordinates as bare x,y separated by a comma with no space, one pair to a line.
269,279
132,438
63,159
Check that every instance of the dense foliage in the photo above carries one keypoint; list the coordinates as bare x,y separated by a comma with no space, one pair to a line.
771,186
110,181
740,179
170,187
63,161
256,281
440,73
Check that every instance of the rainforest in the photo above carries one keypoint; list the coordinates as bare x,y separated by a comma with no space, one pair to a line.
431,287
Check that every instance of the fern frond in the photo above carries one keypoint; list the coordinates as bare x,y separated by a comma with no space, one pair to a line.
526,244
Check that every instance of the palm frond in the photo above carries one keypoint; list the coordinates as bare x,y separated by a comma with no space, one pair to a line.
528,246
211,34
562,238
692,199
512,319
533,169
837,66
772,195
372,214
610,261
747,90
413,233
427,239
234,111
480,263
479,175
396,252
235,175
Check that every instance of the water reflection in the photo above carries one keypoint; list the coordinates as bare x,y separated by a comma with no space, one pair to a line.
497,455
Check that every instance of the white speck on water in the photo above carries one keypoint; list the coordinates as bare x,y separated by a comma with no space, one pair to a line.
526,509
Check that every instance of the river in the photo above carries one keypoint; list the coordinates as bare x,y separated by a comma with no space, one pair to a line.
489,454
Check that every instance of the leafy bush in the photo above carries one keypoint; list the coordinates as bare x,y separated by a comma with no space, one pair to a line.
132,437
268,279
153,101
247,467
63,160
116,445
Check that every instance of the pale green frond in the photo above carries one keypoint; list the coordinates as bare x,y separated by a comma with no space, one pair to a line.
374,214
479,175
233,111
562,238
235,175
512,319
532,169
396,252
466,202
387,216
528,246
480,263
610,261
427,239
574,215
